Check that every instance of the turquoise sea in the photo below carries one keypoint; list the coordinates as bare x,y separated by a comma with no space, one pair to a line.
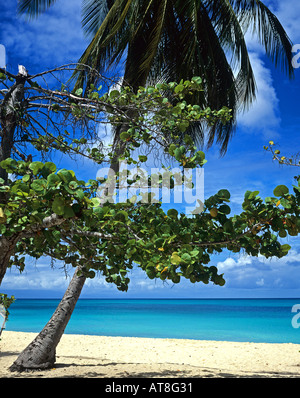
253,320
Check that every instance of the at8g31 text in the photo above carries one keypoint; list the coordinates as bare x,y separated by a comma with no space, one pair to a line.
170,387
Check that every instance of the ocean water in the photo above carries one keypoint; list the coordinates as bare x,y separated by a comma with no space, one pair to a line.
253,320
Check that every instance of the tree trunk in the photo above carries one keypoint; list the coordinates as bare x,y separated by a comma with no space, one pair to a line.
9,108
40,353
7,248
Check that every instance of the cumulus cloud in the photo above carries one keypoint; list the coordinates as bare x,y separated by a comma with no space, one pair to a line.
258,272
288,13
53,39
34,278
263,115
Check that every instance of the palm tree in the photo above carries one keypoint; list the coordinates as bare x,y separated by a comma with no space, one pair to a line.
170,40
176,39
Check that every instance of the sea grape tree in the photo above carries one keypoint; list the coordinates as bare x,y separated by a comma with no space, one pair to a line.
40,198
46,211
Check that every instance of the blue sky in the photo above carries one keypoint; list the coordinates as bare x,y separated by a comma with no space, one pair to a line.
56,38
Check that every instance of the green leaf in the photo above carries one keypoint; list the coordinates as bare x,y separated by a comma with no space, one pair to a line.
200,155
58,206
124,136
282,233
285,248
26,178
228,227
171,149
48,168
280,190
253,195
285,203
36,167
122,215
53,180
176,279
133,199
189,269
179,88
56,235
225,209
173,213
9,164
114,94
96,202
73,185
65,175
175,259
197,80
224,194
80,194
183,126
38,185
143,158
99,211
177,154
79,92
68,212
186,258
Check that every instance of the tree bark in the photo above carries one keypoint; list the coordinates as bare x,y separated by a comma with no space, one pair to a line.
7,248
41,352
8,117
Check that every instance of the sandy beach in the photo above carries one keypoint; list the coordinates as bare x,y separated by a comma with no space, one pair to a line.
122,357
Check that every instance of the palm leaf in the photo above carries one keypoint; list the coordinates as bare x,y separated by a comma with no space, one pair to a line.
33,8
278,46
231,36
157,24
93,14
108,44
175,39
198,52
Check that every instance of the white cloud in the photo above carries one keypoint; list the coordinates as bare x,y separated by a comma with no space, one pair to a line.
243,271
53,39
231,263
105,135
263,115
35,280
260,282
288,13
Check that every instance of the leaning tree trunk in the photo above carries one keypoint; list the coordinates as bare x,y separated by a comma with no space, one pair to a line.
41,352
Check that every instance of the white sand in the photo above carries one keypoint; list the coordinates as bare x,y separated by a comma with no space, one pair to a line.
97,356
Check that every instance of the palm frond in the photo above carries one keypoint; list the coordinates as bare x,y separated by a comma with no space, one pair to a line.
157,21
231,37
278,46
93,14
108,44
33,8
190,47
176,39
